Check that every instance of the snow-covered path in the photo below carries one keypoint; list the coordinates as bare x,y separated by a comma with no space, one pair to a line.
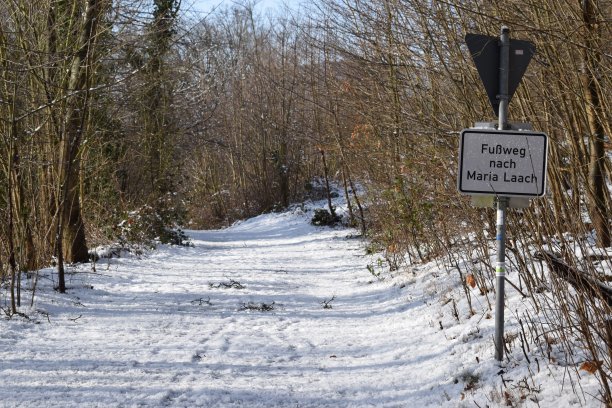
164,331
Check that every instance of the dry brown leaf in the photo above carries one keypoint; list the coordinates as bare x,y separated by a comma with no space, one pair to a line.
470,280
590,366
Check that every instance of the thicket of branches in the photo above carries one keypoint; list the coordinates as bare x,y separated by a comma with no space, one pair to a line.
410,86
122,120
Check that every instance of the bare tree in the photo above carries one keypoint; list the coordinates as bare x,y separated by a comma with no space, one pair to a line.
598,193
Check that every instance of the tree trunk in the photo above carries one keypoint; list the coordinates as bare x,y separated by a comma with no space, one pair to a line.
332,210
283,170
597,191
74,244
72,230
11,223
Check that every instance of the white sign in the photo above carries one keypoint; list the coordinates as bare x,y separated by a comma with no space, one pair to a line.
502,162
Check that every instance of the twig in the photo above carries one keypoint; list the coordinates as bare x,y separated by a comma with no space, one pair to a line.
515,287
44,313
327,303
201,301
260,307
232,284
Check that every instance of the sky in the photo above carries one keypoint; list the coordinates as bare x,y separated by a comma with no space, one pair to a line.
262,6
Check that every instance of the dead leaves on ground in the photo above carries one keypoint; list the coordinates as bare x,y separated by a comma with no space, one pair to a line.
470,280
591,366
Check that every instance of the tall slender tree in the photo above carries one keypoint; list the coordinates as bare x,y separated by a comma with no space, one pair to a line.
80,20
597,191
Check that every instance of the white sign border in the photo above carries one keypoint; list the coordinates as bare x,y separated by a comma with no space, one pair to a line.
502,132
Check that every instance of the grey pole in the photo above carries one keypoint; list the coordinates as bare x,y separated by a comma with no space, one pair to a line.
502,202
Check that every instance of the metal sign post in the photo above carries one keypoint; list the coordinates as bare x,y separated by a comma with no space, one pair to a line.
502,202
507,164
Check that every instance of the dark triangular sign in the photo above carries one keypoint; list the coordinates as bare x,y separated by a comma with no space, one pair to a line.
485,53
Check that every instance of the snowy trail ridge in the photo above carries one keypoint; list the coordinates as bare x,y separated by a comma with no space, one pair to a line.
238,320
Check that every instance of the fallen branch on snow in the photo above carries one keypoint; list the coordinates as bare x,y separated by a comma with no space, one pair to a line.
578,279
227,285
260,307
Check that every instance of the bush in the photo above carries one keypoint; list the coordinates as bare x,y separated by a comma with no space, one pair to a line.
323,217
148,226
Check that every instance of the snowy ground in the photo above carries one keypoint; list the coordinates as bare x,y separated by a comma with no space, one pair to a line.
164,330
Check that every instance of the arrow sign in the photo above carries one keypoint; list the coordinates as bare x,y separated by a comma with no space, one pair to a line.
485,53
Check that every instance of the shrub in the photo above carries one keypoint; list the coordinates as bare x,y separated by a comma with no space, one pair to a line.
148,225
323,217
